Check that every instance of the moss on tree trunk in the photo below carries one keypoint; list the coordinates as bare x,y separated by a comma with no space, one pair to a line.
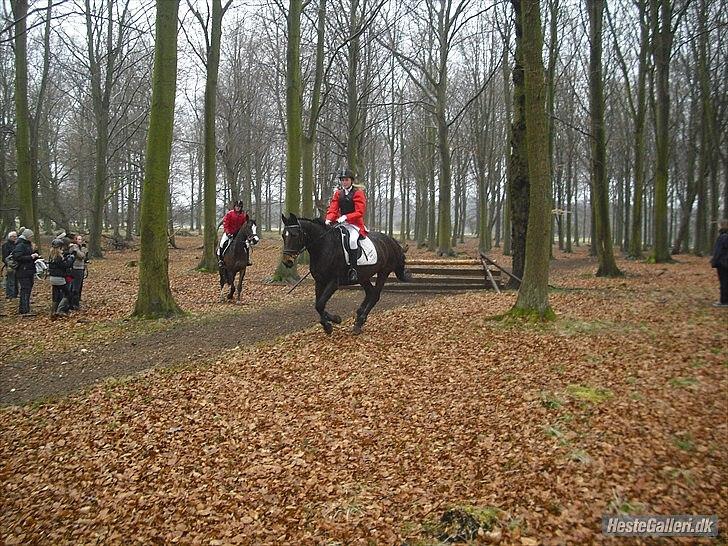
518,183
533,294
22,131
155,299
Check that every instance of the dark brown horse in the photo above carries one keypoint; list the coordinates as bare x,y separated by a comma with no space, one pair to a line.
329,268
236,259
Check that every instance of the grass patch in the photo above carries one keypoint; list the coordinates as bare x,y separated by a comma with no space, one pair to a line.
550,400
554,431
525,317
680,474
684,442
683,382
458,524
580,456
593,395
43,401
620,505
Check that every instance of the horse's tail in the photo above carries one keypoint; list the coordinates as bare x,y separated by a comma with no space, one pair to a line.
401,271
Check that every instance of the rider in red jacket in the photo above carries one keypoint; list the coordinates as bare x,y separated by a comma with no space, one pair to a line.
231,223
348,207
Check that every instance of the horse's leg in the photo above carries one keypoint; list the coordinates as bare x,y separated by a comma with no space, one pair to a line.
231,282
241,276
367,285
373,298
223,278
323,294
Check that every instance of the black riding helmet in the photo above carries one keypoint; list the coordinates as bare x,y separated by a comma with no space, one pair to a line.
238,203
346,172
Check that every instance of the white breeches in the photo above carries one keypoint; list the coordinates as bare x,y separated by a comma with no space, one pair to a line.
224,239
353,235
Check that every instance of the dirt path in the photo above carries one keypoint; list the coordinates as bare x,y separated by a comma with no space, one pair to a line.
26,380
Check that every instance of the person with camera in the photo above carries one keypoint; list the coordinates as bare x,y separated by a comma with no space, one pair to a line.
77,249
11,281
25,256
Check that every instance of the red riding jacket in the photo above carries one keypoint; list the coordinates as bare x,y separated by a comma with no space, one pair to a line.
233,221
355,217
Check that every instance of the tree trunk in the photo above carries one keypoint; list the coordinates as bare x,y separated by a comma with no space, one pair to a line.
635,239
518,182
101,98
22,132
293,124
533,295
208,262
662,35
602,239
155,298
309,141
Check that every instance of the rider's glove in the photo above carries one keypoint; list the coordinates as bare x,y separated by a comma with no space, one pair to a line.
342,219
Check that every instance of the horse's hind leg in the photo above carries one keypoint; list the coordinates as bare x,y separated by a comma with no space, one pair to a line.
323,294
370,301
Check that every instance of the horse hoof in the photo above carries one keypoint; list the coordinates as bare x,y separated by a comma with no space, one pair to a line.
336,319
356,330
328,327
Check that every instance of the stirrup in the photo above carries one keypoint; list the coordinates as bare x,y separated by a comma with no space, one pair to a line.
353,275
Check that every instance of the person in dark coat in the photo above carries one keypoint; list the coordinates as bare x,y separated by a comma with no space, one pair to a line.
25,256
59,267
720,262
77,249
11,280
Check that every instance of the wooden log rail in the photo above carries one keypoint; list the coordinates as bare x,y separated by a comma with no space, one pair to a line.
446,275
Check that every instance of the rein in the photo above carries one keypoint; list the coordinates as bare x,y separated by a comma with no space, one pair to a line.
306,242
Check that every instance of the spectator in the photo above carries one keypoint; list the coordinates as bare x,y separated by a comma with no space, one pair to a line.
25,256
77,249
720,262
59,264
11,280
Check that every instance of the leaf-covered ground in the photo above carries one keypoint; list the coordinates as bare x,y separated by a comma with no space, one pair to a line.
109,295
620,405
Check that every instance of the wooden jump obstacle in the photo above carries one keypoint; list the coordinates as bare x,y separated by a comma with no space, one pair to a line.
447,275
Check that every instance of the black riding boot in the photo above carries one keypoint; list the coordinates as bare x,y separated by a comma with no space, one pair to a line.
353,275
220,254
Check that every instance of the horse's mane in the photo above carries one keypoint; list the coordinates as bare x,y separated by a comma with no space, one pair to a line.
318,221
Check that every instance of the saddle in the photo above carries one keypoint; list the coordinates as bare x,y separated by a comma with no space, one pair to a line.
366,253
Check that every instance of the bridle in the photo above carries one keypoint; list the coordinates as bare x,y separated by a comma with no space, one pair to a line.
250,237
306,242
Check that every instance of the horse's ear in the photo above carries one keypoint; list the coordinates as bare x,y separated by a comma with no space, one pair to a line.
293,218
285,220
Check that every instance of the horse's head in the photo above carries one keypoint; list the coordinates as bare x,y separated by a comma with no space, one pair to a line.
249,231
294,239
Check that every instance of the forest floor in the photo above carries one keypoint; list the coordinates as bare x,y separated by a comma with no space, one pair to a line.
529,432
41,359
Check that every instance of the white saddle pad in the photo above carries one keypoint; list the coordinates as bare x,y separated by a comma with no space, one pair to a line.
368,254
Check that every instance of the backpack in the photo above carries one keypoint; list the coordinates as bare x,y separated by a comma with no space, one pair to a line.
41,268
